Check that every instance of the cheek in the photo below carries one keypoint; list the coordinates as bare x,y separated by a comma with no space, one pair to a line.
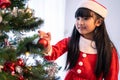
91,29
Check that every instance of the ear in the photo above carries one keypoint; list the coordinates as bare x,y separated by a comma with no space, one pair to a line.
99,22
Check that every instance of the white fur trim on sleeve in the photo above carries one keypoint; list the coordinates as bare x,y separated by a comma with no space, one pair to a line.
49,53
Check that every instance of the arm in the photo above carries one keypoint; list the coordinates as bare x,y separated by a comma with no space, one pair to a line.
57,50
114,68
53,52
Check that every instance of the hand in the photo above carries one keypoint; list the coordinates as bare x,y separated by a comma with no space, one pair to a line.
46,36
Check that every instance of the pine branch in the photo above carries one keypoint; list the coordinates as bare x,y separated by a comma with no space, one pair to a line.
3,36
28,45
19,20
6,76
18,3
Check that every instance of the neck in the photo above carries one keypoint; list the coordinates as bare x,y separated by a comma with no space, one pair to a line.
90,37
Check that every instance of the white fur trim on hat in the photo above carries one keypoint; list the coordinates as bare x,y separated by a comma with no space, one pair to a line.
95,6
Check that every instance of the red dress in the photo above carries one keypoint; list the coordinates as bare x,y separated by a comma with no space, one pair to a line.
84,70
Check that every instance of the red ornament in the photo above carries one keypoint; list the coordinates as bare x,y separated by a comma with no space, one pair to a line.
43,42
9,67
21,77
12,66
4,3
4,68
20,62
13,73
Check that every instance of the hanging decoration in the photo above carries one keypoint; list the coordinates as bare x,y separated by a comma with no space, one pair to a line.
4,3
43,42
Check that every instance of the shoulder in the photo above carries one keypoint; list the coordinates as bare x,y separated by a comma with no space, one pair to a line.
114,52
65,39
113,48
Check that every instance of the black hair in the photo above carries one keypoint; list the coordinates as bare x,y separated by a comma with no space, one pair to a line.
102,41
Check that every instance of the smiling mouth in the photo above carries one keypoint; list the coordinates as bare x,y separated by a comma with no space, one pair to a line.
81,27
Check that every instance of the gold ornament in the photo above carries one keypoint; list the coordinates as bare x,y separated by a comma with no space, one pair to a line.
27,53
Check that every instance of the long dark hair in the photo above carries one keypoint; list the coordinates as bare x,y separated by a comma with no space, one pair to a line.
102,41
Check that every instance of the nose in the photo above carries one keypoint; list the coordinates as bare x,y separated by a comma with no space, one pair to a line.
80,21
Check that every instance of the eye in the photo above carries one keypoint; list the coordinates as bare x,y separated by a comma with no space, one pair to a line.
77,18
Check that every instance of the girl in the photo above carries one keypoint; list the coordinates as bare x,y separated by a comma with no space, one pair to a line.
90,53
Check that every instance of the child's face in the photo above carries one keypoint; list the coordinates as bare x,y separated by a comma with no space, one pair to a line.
86,25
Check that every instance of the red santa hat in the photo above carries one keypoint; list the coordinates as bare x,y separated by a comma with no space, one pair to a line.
95,6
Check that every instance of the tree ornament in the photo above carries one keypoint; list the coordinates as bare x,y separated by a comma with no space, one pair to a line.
21,77
27,53
4,3
19,69
12,66
52,69
4,68
9,67
20,62
28,10
13,73
43,42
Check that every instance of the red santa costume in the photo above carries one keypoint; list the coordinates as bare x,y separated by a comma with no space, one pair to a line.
84,70
85,67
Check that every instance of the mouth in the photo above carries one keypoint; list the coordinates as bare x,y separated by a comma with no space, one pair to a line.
81,28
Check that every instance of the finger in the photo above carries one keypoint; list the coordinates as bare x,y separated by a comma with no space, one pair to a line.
49,35
41,33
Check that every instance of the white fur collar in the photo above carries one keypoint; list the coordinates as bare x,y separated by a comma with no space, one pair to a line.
87,46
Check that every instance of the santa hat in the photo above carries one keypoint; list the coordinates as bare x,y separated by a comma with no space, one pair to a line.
95,6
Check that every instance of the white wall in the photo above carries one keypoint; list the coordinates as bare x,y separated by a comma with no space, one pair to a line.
53,14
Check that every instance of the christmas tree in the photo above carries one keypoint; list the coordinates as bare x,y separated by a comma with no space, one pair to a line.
17,18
